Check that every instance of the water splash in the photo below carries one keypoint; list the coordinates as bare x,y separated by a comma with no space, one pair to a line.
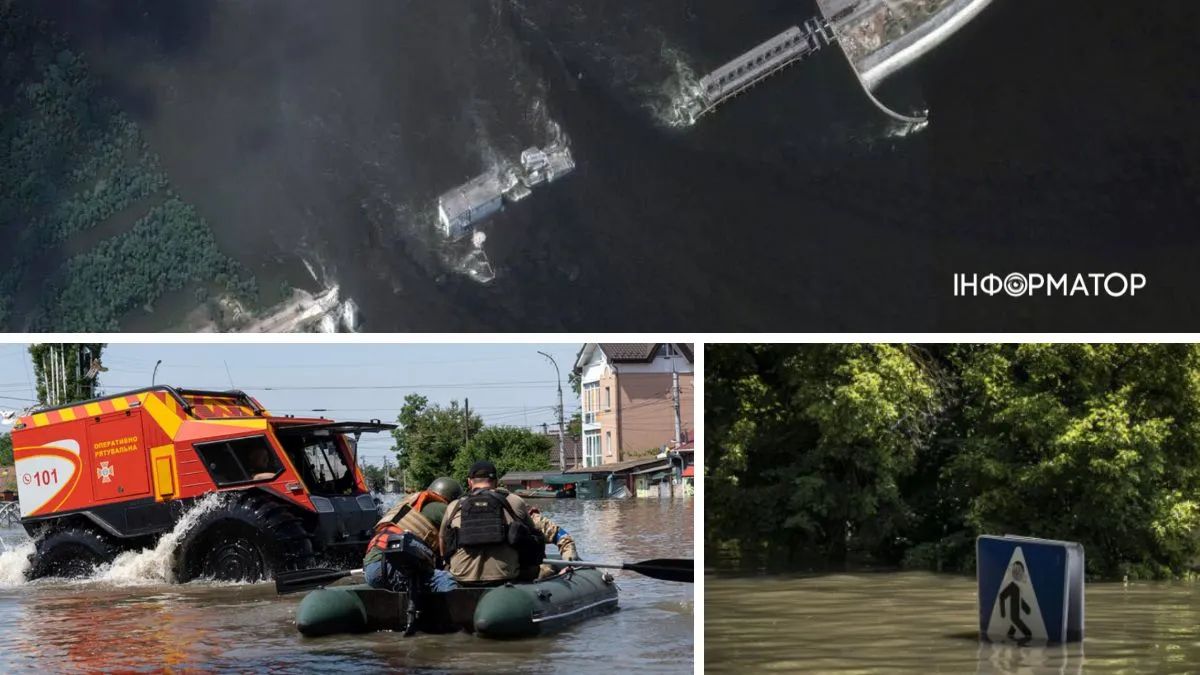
154,565
673,103
14,561
904,130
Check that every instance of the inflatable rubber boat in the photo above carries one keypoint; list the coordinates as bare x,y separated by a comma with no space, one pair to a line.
513,610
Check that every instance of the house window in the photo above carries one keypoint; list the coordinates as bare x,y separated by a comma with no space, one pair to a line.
591,402
608,444
591,448
608,398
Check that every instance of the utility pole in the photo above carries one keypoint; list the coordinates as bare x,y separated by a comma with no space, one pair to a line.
675,394
562,442
466,421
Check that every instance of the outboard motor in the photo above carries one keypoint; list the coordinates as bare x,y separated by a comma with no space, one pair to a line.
409,565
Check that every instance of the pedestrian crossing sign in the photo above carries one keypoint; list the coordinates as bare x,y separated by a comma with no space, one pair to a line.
1030,590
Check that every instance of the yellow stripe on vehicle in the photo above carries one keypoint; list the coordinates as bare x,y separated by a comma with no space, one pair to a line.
166,418
240,423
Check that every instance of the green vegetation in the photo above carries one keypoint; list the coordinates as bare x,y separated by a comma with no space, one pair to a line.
376,477
825,455
6,453
509,448
73,363
167,249
431,442
71,162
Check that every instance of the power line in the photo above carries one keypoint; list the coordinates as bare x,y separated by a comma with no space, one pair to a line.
383,387
118,360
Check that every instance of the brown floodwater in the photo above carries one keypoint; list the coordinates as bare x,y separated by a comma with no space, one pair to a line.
920,623
128,618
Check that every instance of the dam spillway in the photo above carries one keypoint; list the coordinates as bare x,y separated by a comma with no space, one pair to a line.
759,63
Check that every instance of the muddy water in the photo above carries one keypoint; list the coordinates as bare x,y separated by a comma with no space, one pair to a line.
917,622
129,619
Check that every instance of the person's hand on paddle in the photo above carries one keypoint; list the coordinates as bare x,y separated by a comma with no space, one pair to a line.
569,556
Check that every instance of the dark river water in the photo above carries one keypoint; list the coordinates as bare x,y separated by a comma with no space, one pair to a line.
128,619
1063,139
915,622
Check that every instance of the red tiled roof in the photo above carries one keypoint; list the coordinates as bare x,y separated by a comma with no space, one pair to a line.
638,352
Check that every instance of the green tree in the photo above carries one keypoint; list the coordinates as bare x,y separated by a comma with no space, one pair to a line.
375,477
1094,443
429,437
65,372
509,448
908,453
813,440
6,450
575,425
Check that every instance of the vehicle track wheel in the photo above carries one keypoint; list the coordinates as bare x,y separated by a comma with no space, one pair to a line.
248,538
70,552
233,558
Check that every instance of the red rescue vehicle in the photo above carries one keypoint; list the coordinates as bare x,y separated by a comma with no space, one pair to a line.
116,473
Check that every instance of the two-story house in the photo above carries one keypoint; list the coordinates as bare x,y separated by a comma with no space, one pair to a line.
628,398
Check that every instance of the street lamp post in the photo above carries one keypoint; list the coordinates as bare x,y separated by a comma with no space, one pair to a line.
154,375
562,444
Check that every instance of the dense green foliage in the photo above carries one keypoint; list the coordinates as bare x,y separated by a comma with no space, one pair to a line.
509,448
168,248
886,454
376,477
429,437
71,161
73,361
432,441
6,453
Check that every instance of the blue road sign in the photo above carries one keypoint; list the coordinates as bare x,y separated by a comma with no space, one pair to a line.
1030,590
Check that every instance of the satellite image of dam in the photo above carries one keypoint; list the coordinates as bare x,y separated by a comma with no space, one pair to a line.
547,165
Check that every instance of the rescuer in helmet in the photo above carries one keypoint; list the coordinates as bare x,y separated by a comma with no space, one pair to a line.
491,536
421,515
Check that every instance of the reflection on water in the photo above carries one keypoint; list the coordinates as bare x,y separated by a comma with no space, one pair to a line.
919,622
99,625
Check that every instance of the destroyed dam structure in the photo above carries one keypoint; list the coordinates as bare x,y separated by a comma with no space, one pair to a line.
460,208
877,37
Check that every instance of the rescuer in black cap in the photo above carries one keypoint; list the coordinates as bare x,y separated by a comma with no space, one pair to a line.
491,536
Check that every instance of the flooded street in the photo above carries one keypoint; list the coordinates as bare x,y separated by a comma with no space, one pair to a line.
123,621
921,622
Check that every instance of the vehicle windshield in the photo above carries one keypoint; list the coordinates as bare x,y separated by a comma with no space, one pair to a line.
318,457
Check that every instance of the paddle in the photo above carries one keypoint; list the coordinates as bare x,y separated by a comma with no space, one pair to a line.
302,580
667,569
